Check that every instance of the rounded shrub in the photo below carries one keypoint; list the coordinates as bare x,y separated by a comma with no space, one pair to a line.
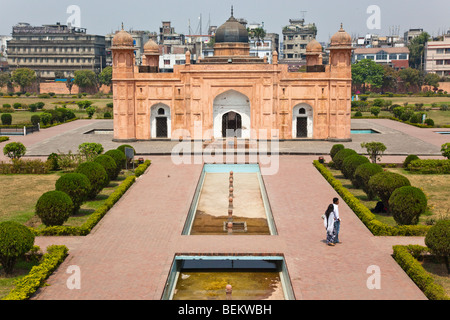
358,114
15,241
335,149
429,122
383,184
438,240
35,119
350,164
408,160
362,176
54,208
407,204
119,158
122,148
341,155
6,119
52,160
108,164
97,176
76,186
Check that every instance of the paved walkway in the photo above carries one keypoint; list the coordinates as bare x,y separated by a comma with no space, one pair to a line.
129,253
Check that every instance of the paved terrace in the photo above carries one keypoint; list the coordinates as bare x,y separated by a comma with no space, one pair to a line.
129,254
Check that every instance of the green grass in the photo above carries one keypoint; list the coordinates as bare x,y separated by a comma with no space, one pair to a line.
21,269
22,117
427,101
439,117
435,188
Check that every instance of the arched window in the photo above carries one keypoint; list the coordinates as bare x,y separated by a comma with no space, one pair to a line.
161,112
302,111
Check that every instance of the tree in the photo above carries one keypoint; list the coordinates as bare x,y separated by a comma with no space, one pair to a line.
105,77
366,72
5,79
14,150
445,149
432,79
23,77
417,49
90,150
374,150
411,77
69,83
258,34
390,79
85,79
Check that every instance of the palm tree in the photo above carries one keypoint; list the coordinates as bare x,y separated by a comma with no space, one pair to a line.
258,34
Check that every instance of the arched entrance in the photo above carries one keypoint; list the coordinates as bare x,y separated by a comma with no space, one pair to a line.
231,113
302,121
160,122
232,125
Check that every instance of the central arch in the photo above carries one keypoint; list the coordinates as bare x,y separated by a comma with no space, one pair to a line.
302,121
231,113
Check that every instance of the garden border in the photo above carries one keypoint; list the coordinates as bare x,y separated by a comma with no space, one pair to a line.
35,279
377,227
408,262
95,217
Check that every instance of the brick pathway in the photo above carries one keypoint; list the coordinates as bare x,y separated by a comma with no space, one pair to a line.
130,252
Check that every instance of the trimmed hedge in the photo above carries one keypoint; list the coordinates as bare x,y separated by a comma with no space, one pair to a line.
97,175
109,164
341,155
364,214
430,166
407,204
335,149
383,184
404,257
142,168
54,208
119,157
93,219
408,160
76,185
363,174
29,284
351,163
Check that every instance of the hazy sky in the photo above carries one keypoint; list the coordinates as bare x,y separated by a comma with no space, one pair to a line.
102,17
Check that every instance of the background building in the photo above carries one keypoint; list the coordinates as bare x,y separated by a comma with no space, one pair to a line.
49,49
266,46
296,37
437,56
397,58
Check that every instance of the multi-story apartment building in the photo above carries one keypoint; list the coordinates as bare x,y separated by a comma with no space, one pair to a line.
55,49
395,57
411,34
437,56
296,37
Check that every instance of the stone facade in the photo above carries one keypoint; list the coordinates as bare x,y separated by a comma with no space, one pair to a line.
233,91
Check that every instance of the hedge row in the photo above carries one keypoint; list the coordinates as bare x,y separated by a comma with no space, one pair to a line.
377,227
93,219
27,286
429,166
406,258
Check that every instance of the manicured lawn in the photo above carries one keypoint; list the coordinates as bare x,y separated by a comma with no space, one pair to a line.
439,117
438,271
427,101
436,187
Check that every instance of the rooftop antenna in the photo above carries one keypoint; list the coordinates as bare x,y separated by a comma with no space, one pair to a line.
232,11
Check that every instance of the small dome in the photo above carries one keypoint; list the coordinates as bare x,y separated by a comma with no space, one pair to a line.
231,31
341,39
314,46
122,39
151,47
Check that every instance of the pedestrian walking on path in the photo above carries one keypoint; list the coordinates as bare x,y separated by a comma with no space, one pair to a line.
328,222
337,219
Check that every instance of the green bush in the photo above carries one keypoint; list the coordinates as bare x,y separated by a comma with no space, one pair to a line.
97,176
417,273
407,204
76,186
6,119
52,160
341,155
35,119
375,111
429,122
46,118
362,176
383,184
20,166
445,150
122,148
54,208
108,164
358,114
408,160
438,240
142,168
335,149
90,150
28,285
430,166
17,105
15,241
119,158
350,164
14,150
